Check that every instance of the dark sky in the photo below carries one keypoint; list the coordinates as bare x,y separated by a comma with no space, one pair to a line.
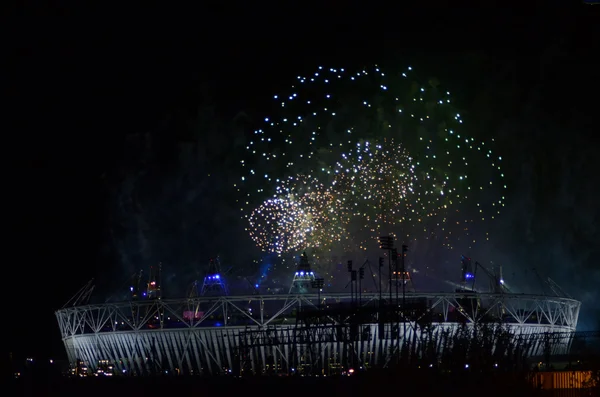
77,89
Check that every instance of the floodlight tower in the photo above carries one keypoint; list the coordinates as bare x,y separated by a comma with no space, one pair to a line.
213,280
303,277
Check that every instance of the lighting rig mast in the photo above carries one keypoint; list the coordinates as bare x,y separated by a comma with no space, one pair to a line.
557,289
361,277
498,278
380,291
213,280
497,285
402,276
386,243
352,283
136,286
404,280
318,284
467,272
137,292
82,296
153,288
193,291
303,277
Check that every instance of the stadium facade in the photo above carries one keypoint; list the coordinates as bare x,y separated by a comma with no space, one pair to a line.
295,332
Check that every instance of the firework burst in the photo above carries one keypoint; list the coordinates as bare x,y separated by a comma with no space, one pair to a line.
302,214
383,151
378,186
279,225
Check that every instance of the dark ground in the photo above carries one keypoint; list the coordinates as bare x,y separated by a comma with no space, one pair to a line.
362,385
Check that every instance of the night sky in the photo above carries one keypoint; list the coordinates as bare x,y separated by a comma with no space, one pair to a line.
79,94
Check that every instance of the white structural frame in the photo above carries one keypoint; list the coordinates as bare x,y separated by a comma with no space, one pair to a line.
142,337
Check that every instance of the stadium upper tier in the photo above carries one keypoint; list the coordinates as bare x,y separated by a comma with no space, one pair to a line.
215,334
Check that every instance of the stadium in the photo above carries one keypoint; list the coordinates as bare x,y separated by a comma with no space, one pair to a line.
305,331
346,158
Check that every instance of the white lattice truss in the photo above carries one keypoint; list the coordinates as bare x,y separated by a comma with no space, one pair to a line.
145,336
